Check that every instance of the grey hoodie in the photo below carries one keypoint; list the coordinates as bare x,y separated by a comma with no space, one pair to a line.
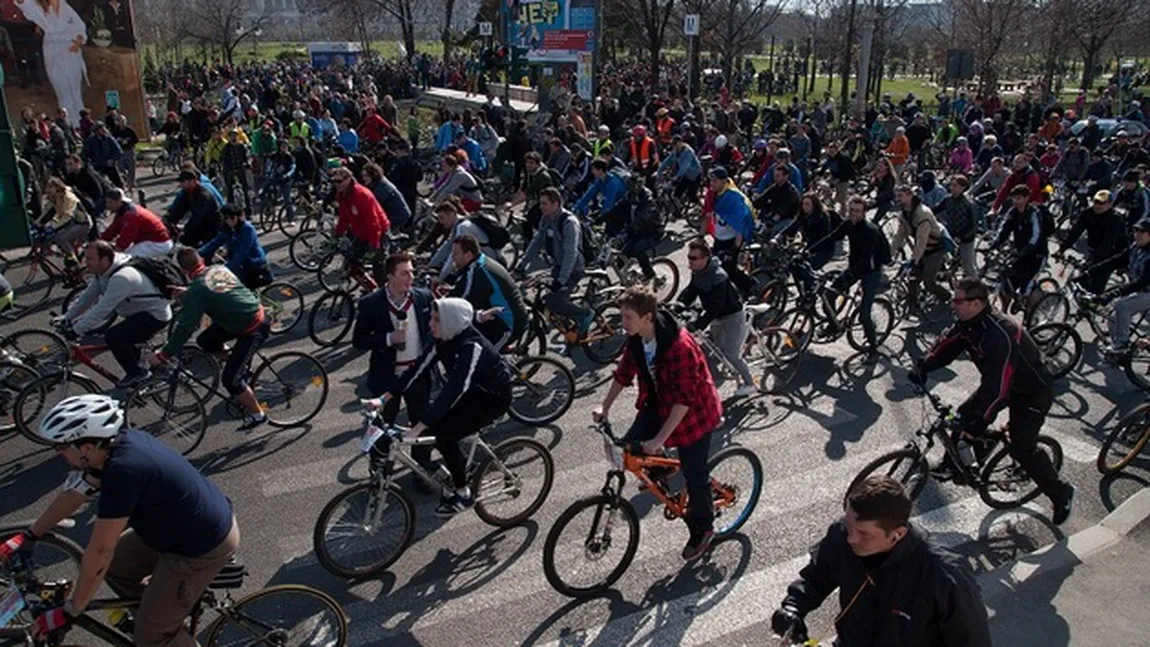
455,316
124,292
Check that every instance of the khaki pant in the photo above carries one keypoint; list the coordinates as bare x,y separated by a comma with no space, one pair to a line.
174,588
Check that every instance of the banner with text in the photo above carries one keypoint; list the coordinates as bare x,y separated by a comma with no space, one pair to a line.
551,30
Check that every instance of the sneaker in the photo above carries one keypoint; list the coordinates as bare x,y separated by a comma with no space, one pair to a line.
453,505
745,390
130,381
1117,350
872,356
697,545
1062,510
251,422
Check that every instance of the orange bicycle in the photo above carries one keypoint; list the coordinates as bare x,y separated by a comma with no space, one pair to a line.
583,557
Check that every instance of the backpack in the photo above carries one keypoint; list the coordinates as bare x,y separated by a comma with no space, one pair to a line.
497,235
556,179
1048,224
160,271
946,240
882,251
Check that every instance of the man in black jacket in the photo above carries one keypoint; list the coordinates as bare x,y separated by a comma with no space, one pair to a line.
387,195
1105,238
1013,375
779,203
838,165
405,174
869,251
201,208
896,586
486,284
89,186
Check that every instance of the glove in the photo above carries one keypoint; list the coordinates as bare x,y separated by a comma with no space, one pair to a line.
1109,295
20,544
970,425
917,374
52,620
787,619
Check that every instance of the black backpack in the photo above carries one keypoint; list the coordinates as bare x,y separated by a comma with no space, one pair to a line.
160,271
497,235
882,251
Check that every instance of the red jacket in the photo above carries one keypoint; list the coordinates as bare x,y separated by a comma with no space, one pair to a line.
681,377
359,210
135,224
1031,180
374,128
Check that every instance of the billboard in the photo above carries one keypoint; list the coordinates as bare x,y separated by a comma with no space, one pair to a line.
71,54
553,31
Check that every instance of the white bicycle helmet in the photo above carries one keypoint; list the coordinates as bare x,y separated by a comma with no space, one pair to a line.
721,141
82,417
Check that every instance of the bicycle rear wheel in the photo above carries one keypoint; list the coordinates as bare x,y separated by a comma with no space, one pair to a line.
584,553
512,485
770,291
1125,442
1060,345
736,482
1052,307
40,350
284,304
14,378
308,248
665,284
290,387
882,314
350,542
775,355
287,615
1006,484
1137,368
331,318
41,394
159,165
542,390
607,335
333,273
32,284
907,466
171,411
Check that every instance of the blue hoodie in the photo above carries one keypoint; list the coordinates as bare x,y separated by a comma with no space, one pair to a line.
349,140
611,186
733,209
446,135
475,155
242,244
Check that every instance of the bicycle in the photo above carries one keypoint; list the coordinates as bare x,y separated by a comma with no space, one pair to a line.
332,315
612,513
542,389
1125,442
357,520
311,244
251,620
999,477
826,314
171,157
14,378
665,283
34,275
604,340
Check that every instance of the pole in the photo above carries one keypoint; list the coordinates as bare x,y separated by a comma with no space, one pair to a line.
864,70
690,66
771,69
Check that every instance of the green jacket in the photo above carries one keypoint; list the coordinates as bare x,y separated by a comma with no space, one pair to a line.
218,293
263,145
534,183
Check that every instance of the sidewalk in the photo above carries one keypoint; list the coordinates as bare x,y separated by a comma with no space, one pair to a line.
475,100
1091,588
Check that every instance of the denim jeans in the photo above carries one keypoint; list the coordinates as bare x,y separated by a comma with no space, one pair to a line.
1124,310
870,285
693,464
559,302
285,195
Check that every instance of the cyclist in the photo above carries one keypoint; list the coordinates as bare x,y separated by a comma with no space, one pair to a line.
360,216
486,284
137,231
878,559
917,224
1023,223
962,220
236,313
684,166
69,223
1133,296
387,195
451,217
239,239
642,153
456,180
561,231
842,173
281,168
157,518
734,225
869,252
778,205
116,288
636,223
1022,175
234,159
90,187
817,226
199,205
1013,375
722,310
678,405
536,177
476,393
611,184
1133,197
1106,241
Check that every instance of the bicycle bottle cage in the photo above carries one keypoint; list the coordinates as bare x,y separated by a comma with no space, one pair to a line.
231,576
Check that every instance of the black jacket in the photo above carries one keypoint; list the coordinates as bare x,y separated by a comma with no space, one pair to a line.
864,242
1006,357
1025,230
713,288
960,216
373,325
779,201
485,283
406,175
817,230
921,595
1105,234
203,214
90,187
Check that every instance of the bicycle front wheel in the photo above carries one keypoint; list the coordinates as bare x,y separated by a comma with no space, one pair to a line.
736,482
511,486
169,410
284,304
287,615
308,248
882,314
591,545
31,281
364,529
1127,440
1060,345
40,350
775,355
606,338
1052,307
1006,483
907,466
665,284
38,398
55,558
14,378
331,318
541,392
159,165
291,388
1137,368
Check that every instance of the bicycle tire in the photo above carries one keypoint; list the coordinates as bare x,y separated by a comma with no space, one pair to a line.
1137,368
1137,421
14,378
527,389
56,558
485,486
32,283
911,457
306,248
324,552
331,318
771,291
721,490
286,306
776,356
601,502
180,418
800,322
985,488
1052,307
275,631
158,165
882,314
607,322
266,217
309,377
670,286
204,367
333,275
1060,345
28,420
40,350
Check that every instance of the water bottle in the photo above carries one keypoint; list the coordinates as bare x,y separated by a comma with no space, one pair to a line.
965,452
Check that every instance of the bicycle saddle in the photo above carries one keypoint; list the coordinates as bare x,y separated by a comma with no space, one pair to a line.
231,576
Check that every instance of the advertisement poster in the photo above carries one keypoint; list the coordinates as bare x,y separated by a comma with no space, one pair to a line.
585,76
553,31
71,54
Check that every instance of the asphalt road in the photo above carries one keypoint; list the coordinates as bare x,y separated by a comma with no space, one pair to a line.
463,582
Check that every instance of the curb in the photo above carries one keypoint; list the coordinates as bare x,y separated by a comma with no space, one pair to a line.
1073,550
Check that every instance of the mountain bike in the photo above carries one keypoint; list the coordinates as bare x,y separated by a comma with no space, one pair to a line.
604,339
1126,441
1000,480
34,275
826,314
368,526
664,284
601,533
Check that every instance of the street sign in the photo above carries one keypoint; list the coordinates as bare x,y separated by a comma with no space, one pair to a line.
691,24
484,29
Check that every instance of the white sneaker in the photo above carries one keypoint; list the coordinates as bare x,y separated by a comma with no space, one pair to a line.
745,390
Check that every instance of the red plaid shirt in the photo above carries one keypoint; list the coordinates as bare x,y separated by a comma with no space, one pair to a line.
681,377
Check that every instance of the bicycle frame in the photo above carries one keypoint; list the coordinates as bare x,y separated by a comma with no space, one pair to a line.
85,354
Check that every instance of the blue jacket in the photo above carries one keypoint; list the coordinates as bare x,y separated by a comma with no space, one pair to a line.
313,127
475,154
611,186
205,182
686,164
446,135
392,202
734,209
349,140
768,178
101,152
242,244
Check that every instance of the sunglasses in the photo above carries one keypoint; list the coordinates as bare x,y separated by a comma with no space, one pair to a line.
957,300
695,258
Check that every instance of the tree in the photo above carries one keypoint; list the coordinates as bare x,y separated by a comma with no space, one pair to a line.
360,16
647,19
1094,32
222,23
986,27
404,13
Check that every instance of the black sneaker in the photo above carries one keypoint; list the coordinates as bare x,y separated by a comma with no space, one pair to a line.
251,422
697,545
130,381
453,505
1062,510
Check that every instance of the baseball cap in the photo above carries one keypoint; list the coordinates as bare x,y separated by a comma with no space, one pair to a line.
1102,196
720,173
1142,225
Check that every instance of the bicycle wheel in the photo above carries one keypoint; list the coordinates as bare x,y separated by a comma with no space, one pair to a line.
736,482
1127,440
357,535
40,350
1006,484
542,390
14,378
665,284
286,615
882,314
308,248
586,551
606,338
907,466
291,388
330,318
333,275
1137,367
1052,307
31,282
159,165
55,558
284,303
770,291
801,323
511,486
41,394
202,370
774,354
1061,347
169,410
266,218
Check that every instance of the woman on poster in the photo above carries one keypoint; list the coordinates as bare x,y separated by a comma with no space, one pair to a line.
64,38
